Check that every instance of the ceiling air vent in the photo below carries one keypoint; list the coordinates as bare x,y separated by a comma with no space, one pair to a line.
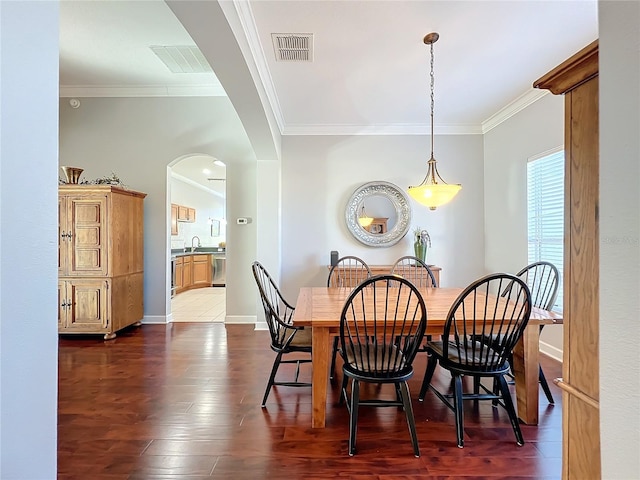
293,47
182,58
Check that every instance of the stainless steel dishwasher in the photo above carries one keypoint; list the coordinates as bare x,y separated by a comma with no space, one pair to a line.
218,269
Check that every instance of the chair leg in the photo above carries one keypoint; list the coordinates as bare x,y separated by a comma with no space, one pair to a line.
334,354
476,385
398,395
508,403
458,409
353,416
408,409
496,391
428,375
272,377
343,390
545,385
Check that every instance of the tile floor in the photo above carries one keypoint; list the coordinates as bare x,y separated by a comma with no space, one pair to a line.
204,305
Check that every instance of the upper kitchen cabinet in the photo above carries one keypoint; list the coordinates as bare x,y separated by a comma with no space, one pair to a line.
101,242
174,219
186,214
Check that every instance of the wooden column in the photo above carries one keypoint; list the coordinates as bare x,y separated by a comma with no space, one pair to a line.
577,80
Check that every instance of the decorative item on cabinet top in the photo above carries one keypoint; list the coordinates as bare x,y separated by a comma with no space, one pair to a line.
72,174
72,177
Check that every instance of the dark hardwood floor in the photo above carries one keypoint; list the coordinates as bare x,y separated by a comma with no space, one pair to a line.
183,402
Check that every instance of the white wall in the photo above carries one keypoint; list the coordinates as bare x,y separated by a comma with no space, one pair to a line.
319,174
137,138
619,77
268,225
242,201
28,241
507,147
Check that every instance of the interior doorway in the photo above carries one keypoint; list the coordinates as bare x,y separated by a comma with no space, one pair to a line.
197,192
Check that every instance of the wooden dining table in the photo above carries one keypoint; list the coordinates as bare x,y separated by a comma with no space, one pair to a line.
320,308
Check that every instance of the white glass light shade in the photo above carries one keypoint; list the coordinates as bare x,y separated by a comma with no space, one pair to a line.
434,195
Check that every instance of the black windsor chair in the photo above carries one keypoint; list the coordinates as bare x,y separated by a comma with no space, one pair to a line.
381,328
496,305
285,338
543,280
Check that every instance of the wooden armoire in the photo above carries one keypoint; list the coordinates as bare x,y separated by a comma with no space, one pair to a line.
100,259
577,80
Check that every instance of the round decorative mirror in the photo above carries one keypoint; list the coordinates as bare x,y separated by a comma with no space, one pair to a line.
378,214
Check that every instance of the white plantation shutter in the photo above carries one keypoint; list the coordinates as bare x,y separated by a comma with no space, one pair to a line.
545,213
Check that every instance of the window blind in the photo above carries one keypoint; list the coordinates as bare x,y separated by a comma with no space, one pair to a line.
545,213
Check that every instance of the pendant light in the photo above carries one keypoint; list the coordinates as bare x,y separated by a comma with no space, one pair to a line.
433,191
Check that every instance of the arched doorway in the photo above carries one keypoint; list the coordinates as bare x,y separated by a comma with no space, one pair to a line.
197,200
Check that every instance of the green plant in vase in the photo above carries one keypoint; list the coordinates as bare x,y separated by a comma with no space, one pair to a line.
421,242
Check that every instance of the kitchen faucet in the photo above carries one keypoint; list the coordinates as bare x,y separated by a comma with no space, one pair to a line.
197,245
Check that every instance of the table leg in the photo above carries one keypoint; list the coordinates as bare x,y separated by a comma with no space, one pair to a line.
320,361
525,367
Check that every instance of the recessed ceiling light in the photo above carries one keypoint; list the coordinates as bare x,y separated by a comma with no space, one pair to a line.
206,171
220,163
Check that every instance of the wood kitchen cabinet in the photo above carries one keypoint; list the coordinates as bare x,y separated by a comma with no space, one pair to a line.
100,259
187,271
192,271
174,219
185,214
202,270
178,275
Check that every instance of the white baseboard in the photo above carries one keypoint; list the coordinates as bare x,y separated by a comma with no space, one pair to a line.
261,326
156,319
240,319
551,351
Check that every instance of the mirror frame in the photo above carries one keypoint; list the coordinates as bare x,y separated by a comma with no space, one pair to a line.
400,203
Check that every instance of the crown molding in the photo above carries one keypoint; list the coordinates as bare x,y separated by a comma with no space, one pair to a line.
141,91
113,91
520,103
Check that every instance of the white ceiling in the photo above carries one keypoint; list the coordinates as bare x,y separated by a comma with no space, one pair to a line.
370,68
